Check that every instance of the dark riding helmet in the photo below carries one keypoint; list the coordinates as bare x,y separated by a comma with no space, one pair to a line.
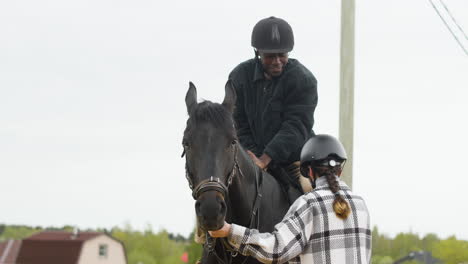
322,150
272,35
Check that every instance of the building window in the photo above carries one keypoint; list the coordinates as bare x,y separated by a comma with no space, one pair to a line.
103,251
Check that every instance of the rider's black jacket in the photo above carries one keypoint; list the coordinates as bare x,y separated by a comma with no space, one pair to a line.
274,116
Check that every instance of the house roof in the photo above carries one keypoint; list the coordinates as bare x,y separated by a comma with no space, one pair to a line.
53,247
64,236
9,251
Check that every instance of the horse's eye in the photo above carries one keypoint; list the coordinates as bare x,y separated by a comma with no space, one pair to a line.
185,144
234,142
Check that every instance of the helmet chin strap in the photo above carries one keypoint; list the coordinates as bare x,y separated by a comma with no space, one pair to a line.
257,57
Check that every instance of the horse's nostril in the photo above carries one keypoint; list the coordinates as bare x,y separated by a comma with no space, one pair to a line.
223,207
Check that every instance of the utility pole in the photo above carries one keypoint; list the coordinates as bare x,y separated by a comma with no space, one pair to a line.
347,86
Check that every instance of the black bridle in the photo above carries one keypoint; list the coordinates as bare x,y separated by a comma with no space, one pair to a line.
215,184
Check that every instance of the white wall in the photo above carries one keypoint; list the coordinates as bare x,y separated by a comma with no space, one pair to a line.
90,251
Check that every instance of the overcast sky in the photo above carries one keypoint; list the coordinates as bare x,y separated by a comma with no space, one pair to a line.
92,106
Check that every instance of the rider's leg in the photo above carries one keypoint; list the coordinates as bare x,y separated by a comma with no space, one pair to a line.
294,172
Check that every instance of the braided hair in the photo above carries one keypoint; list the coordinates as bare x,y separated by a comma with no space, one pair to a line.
340,205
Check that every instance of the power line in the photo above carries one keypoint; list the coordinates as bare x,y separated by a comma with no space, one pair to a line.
453,19
448,27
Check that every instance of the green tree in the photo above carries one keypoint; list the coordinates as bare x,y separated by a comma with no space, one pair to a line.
17,232
451,250
381,244
141,257
429,241
403,244
381,260
149,246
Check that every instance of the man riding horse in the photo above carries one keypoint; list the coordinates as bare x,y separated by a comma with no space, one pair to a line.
274,109
276,100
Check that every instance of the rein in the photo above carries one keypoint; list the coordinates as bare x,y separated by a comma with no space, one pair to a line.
210,242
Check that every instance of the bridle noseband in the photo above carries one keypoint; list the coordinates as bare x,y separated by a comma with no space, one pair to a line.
211,184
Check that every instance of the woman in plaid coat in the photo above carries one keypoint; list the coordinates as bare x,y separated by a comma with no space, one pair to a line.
327,225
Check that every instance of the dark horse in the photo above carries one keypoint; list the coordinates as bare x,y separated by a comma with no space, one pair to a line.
225,183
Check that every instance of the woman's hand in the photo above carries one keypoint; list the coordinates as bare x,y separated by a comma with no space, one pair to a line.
223,232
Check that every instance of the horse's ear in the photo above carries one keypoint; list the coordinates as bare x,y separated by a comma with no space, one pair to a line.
230,96
191,98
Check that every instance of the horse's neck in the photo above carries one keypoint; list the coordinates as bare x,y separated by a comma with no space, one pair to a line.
243,191
247,166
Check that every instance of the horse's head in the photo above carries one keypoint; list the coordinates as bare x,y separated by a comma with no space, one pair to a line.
210,144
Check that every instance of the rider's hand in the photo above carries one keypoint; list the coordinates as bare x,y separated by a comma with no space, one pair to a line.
223,232
261,162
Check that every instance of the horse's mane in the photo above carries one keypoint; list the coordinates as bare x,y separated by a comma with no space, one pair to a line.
214,113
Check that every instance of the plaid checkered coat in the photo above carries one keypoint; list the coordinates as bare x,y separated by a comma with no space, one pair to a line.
311,232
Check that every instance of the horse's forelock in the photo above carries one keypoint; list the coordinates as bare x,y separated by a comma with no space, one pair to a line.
213,113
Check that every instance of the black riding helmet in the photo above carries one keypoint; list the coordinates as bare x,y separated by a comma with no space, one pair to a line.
272,35
322,150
